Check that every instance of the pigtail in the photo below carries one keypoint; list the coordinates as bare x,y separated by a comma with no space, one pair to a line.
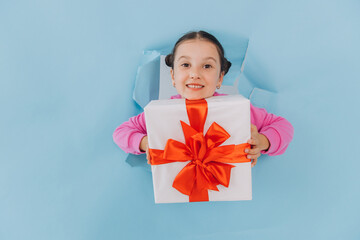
226,66
169,60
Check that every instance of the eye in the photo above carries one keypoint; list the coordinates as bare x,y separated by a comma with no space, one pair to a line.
207,66
185,65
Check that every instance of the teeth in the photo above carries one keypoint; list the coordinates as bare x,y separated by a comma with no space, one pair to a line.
194,86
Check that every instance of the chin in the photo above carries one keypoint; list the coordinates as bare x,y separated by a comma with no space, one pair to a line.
195,97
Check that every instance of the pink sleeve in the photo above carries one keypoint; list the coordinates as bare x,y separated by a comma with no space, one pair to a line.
129,134
278,130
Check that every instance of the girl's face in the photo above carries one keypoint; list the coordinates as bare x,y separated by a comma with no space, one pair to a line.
197,70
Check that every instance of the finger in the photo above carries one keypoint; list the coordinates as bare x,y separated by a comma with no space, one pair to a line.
148,156
253,151
253,156
253,128
252,141
254,162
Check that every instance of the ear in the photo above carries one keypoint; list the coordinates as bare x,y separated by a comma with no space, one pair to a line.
172,77
221,78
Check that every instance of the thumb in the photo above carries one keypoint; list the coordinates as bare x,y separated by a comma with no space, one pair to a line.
148,156
253,128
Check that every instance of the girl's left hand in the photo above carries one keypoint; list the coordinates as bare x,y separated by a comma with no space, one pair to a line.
258,143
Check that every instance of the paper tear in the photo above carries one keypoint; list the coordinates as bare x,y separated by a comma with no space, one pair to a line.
149,84
245,86
263,99
147,80
153,82
138,161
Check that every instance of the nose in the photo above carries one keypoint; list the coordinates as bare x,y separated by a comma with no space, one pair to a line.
194,74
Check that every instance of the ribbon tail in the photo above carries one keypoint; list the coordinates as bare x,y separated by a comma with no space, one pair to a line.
200,190
213,182
185,180
221,172
190,181
199,195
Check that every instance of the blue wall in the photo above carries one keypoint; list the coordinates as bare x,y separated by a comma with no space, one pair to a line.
67,71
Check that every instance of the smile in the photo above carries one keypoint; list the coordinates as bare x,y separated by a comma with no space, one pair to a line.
194,86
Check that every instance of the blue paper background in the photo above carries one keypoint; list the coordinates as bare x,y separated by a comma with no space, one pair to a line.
67,72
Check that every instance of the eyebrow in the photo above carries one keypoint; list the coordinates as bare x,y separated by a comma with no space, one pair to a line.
207,58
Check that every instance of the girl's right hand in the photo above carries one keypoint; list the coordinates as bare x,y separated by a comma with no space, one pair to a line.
144,147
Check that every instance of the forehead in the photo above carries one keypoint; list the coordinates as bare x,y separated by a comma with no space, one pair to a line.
197,47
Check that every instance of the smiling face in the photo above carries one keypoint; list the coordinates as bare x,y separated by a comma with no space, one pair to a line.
197,71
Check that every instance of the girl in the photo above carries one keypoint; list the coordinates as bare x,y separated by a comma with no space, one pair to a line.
198,67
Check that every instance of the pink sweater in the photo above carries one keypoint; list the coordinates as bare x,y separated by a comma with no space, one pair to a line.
277,129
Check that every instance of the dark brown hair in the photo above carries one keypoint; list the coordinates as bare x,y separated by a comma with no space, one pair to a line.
224,63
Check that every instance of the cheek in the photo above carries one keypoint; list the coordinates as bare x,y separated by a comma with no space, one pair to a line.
179,77
214,78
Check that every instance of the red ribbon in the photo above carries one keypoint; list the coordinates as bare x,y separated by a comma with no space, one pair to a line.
208,160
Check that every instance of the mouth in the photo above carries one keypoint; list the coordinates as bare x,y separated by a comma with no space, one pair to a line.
195,86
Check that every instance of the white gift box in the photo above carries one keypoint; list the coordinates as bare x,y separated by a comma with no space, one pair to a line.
163,122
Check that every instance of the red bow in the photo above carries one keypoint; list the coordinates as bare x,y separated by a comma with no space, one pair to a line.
208,160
